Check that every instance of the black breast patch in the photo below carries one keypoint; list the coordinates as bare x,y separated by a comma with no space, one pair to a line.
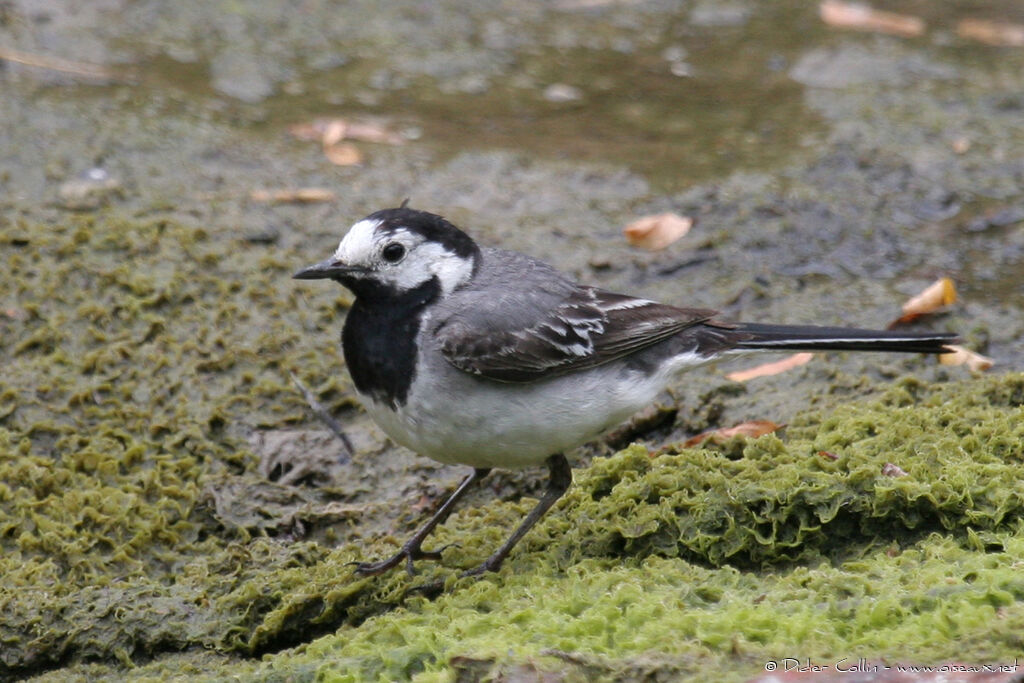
379,340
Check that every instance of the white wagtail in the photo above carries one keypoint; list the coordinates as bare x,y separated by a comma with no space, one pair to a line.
490,358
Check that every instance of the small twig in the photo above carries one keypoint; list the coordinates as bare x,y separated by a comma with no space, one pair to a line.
325,417
62,65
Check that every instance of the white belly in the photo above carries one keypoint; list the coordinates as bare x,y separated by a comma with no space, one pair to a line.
465,419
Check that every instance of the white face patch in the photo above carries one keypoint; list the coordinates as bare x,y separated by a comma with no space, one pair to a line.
365,241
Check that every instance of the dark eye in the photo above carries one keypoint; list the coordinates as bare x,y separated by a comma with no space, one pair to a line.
393,253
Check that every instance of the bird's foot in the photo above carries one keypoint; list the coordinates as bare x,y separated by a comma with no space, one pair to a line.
491,564
410,552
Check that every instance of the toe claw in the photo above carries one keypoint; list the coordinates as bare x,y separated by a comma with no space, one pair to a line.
491,564
375,568
433,554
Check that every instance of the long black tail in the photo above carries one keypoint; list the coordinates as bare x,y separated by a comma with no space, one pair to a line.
814,338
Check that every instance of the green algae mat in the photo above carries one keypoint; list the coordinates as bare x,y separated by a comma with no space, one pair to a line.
139,355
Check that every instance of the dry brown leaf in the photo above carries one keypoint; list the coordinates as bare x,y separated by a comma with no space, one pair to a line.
343,154
1000,34
940,293
862,17
772,368
752,429
368,131
890,470
334,132
958,355
331,131
302,195
657,232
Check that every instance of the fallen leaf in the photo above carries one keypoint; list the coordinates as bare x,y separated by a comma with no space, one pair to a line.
958,355
657,232
1000,34
772,368
752,429
862,17
331,131
369,131
343,154
303,195
334,132
940,293
890,470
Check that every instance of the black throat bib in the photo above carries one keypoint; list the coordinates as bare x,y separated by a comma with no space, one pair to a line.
379,339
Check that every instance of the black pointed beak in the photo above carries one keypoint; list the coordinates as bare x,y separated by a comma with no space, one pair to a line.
331,268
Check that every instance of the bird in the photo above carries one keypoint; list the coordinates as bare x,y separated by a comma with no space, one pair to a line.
490,358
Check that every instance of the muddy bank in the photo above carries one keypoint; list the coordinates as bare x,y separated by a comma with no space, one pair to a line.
168,504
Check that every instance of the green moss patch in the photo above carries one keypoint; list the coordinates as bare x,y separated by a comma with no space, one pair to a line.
136,530
825,489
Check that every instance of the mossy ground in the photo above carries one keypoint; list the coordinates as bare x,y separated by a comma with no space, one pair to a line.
145,350
128,394
701,561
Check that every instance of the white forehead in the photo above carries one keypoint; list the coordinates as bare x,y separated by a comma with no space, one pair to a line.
358,242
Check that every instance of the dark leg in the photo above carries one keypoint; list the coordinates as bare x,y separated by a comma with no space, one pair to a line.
558,484
412,550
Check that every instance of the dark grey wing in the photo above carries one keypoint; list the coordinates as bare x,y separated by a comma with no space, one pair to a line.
587,328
